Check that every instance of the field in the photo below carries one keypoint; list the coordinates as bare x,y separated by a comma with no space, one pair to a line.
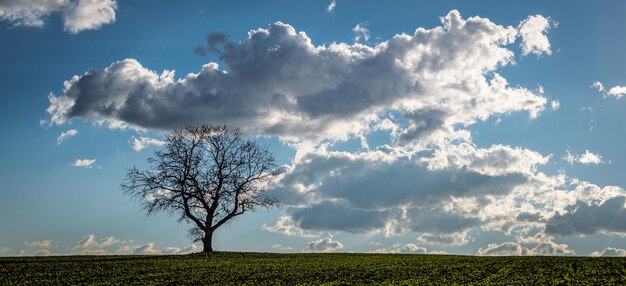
310,269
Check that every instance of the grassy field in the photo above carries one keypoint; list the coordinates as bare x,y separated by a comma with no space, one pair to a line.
310,269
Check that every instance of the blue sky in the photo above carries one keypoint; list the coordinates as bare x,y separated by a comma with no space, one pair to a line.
468,123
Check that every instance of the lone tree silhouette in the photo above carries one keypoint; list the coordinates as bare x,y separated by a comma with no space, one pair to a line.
205,175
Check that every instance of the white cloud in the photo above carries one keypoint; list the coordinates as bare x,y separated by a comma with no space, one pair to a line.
533,30
280,247
361,32
178,251
77,15
143,142
285,225
588,158
555,104
503,249
65,135
88,241
408,248
41,244
550,248
325,245
84,163
146,249
610,251
331,6
616,91
598,85
535,247
280,83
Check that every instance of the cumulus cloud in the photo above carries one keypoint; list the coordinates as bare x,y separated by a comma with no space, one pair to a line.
277,82
65,135
173,250
588,158
143,142
408,248
503,249
331,6
395,191
41,244
533,30
285,225
325,245
88,241
589,218
77,15
84,163
147,249
610,251
538,245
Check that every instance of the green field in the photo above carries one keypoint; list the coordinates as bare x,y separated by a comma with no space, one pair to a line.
310,269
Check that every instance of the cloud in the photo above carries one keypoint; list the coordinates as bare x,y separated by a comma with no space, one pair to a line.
277,82
408,248
147,249
455,238
616,91
107,241
538,245
44,252
533,30
588,158
88,241
550,248
65,135
394,191
503,249
422,90
325,245
178,251
598,85
331,6
361,32
610,251
77,15
590,218
555,104
143,142
84,163
280,247
41,244
285,225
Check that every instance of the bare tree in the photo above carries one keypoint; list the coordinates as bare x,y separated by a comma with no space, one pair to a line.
206,176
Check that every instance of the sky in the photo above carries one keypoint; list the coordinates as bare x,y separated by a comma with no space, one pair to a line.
459,127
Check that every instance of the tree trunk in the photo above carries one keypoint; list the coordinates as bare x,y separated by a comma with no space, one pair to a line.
207,242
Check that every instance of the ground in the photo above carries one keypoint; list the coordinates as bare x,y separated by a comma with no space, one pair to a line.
230,268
